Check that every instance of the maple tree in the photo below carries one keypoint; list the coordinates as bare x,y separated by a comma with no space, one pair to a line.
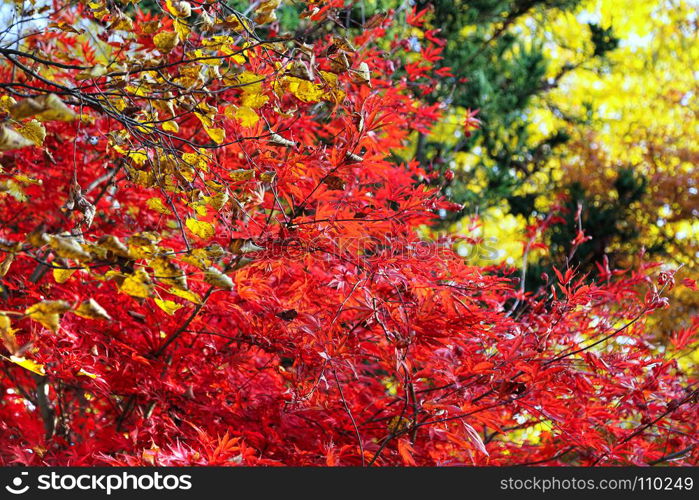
213,256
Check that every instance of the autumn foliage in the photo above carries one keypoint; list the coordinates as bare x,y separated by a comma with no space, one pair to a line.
215,253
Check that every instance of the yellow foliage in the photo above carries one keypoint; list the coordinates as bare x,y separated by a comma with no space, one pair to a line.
168,306
158,205
202,229
91,309
166,270
48,312
34,131
216,278
68,248
186,294
138,284
244,114
44,108
11,139
646,106
62,275
166,41
7,334
253,100
218,135
178,8
171,126
28,364
303,89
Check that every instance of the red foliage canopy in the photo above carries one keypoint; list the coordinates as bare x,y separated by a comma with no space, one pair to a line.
219,262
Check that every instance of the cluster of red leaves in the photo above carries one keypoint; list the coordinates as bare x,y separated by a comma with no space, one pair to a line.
346,338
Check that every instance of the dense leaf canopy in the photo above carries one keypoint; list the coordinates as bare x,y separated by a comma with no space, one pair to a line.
216,252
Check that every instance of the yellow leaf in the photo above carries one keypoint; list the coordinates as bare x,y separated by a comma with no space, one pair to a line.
198,258
363,75
7,334
201,228
218,201
167,271
37,238
253,100
303,89
138,157
182,28
200,209
64,26
186,294
171,126
146,128
11,139
265,17
45,108
142,245
141,178
5,323
91,309
168,306
48,312
216,278
245,115
50,306
269,5
237,58
86,374
113,244
27,180
62,275
241,175
166,41
218,42
122,23
138,284
179,9
206,119
268,176
234,22
329,78
150,27
196,160
13,189
215,251
5,265
217,134
28,364
34,131
68,248
158,205
94,72
250,82
6,102
275,138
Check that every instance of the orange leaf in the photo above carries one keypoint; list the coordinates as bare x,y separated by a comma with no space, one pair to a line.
406,452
